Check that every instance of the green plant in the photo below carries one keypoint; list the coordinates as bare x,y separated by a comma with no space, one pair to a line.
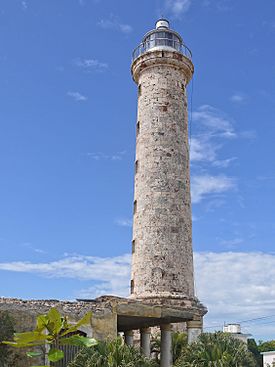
253,348
155,347
111,354
7,357
52,329
216,350
266,346
179,343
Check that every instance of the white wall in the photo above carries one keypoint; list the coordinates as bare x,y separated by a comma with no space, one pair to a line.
268,359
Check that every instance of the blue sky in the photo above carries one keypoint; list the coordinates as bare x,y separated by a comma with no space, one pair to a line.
67,146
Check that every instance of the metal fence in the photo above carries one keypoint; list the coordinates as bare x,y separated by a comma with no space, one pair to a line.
158,42
69,351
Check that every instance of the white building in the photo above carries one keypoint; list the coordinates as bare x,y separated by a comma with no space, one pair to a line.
232,328
235,331
269,358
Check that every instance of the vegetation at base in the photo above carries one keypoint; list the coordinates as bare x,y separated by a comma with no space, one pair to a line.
266,346
111,354
210,350
179,343
52,329
216,350
7,358
254,349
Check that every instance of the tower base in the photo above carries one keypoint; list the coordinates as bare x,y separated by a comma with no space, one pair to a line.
175,301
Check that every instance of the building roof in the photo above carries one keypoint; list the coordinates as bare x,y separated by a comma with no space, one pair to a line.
270,352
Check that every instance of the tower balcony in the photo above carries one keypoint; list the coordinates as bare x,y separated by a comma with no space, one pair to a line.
162,38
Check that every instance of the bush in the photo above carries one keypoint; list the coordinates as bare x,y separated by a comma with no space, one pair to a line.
111,354
179,343
253,348
266,346
7,357
53,330
217,349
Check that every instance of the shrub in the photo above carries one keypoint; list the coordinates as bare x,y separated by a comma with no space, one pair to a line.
7,357
216,350
253,348
111,354
53,330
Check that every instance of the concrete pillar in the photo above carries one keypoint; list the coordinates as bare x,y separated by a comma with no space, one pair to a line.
166,346
129,338
145,336
194,329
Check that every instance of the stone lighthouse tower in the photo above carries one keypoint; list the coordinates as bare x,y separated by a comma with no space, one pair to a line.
162,260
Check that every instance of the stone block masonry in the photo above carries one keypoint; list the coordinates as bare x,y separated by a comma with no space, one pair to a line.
162,263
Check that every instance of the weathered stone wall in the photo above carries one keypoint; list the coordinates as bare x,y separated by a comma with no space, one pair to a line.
162,263
24,313
17,357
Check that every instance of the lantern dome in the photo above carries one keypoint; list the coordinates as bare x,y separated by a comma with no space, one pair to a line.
162,38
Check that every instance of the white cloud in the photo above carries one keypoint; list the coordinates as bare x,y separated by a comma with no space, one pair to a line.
97,156
232,243
202,149
238,98
214,204
220,5
83,2
234,286
177,7
90,64
125,28
24,4
107,272
114,23
124,222
217,123
115,286
223,163
248,134
211,129
203,185
77,96
29,246
269,24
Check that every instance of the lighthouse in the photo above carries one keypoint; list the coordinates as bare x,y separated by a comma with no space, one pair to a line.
162,260
162,255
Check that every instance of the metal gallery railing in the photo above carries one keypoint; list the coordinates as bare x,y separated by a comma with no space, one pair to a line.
158,42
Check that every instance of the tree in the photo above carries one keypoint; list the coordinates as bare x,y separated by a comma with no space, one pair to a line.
111,354
253,348
155,347
52,329
7,358
179,343
216,350
266,346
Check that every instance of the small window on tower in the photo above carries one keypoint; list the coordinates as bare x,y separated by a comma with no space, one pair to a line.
135,207
132,286
139,90
133,246
136,166
138,127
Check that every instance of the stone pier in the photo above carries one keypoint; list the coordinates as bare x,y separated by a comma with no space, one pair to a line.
145,341
166,346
